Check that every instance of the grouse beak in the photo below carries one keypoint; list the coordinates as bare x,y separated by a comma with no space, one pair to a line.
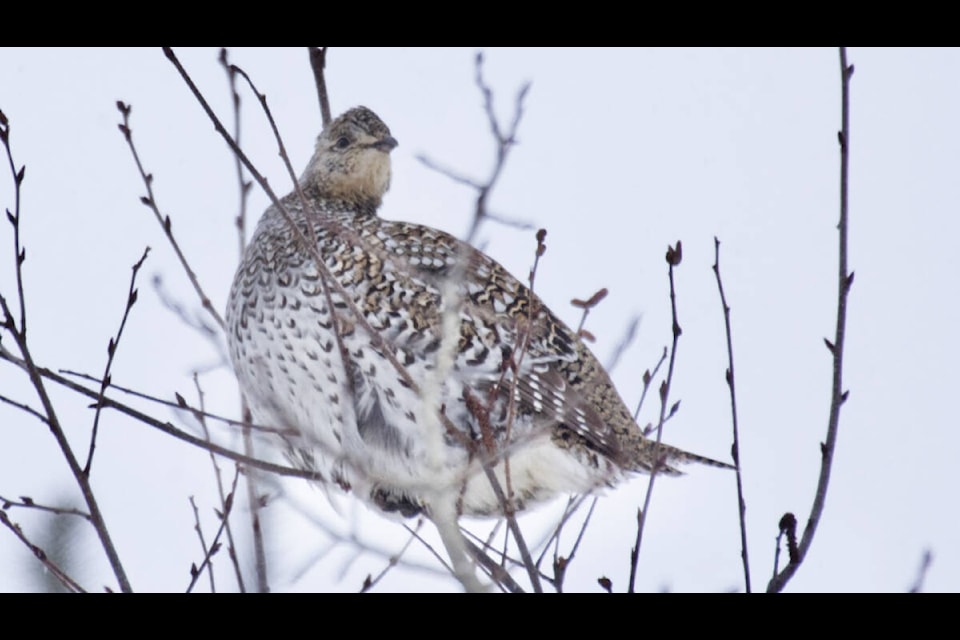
386,144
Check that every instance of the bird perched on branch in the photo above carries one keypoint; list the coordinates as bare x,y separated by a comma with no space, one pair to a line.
411,366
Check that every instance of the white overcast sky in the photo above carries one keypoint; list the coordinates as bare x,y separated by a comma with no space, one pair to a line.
621,152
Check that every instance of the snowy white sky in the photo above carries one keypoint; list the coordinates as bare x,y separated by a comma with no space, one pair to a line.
621,153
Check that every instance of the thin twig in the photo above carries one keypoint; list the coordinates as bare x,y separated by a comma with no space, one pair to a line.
925,561
838,396
370,582
231,547
166,427
259,552
243,184
523,339
24,407
353,538
628,337
20,253
42,556
574,503
150,201
215,545
498,574
180,404
735,450
515,530
111,352
562,563
203,544
480,213
256,505
504,141
497,571
648,377
53,422
318,61
20,337
195,321
26,502
674,256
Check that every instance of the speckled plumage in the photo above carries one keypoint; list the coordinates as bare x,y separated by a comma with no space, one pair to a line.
399,438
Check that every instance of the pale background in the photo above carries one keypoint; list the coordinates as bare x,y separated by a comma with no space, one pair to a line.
621,153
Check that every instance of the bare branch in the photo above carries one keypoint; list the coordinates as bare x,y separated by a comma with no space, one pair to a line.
180,404
23,407
210,333
20,337
629,335
19,252
498,574
203,545
674,256
150,201
562,563
318,62
648,377
196,572
231,546
504,142
41,555
837,394
393,561
925,561
26,502
256,504
243,184
735,450
166,427
111,352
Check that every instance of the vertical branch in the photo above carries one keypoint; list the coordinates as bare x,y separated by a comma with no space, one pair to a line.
260,556
837,395
731,383
53,422
256,504
203,545
231,546
20,254
318,61
244,185
561,563
504,142
674,256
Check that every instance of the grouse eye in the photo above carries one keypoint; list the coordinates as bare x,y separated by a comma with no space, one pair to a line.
343,143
